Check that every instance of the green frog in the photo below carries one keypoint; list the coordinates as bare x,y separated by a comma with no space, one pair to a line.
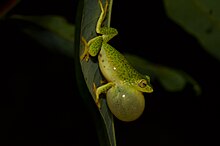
125,85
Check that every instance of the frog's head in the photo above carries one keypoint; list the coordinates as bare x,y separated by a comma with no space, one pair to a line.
143,85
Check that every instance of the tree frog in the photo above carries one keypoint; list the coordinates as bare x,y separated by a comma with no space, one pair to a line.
125,86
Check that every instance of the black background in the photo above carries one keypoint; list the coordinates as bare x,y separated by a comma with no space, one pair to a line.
41,105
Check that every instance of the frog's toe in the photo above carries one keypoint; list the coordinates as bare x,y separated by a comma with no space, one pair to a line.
104,81
85,56
82,57
98,103
94,88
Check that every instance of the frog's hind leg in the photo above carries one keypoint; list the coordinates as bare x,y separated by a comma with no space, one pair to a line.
92,47
102,15
107,32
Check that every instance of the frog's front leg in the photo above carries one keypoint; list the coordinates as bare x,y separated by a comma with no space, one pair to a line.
100,90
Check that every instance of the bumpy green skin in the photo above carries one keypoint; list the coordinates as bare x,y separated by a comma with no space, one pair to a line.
125,85
117,69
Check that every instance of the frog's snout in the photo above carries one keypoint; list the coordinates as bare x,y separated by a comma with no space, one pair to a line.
149,89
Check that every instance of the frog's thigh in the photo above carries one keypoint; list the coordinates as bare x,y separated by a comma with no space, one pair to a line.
102,89
95,45
108,33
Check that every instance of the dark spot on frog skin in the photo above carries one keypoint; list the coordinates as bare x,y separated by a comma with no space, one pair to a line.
100,55
102,60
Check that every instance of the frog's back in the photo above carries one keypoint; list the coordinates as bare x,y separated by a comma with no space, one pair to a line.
114,66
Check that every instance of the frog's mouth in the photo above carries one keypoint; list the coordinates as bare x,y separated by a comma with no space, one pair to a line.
149,89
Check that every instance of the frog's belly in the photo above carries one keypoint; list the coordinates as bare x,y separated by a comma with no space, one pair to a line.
109,63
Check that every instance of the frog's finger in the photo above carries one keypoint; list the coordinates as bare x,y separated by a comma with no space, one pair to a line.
103,81
97,96
100,90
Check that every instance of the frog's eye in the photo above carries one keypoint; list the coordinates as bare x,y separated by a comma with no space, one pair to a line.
142,83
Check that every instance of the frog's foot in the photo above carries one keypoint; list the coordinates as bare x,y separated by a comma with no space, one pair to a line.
105,8
97,101
104,81
85,54
102,15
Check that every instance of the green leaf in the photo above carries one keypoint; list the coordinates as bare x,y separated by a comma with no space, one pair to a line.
189,79
90,14
52,32
201,18
172,80
56,24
